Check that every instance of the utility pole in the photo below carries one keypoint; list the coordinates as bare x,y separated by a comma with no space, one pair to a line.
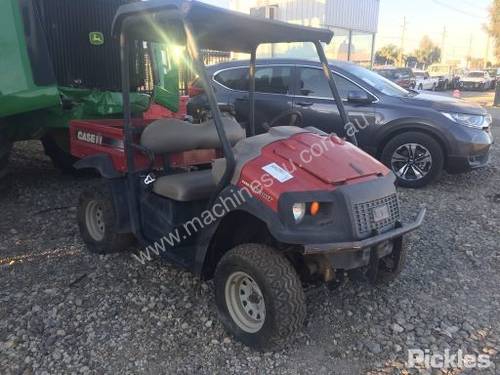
443,42
469,53
487,52
402,46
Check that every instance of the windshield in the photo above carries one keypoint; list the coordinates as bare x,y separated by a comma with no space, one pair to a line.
476,75
376,81
391,74
419,74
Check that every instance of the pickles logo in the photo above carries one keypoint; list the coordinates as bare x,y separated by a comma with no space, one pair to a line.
96,38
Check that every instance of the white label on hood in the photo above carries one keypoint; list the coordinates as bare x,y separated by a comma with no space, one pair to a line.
277,172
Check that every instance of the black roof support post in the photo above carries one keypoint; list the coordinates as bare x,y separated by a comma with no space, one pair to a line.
132,188
335,91
199,66
251,93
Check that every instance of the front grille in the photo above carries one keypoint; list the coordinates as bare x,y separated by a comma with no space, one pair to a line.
471,85
363,215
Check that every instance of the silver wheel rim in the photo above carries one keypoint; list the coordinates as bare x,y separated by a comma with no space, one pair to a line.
245,302
94,220
411,162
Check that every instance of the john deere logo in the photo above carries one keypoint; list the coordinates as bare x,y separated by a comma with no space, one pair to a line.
96,38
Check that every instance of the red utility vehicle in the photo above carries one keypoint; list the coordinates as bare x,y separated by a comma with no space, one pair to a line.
259,214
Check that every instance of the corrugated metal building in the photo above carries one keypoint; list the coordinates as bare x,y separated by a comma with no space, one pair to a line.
354,22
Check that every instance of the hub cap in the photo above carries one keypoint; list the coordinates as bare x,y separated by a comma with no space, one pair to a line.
245,302
94,220
411,162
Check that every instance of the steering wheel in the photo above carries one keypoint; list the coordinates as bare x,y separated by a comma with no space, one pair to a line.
295,119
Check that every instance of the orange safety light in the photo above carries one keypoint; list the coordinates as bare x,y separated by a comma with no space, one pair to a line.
314,208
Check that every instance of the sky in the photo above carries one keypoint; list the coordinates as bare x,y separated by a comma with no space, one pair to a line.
462,19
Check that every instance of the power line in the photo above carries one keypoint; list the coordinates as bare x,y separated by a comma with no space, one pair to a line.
451,7
443,41
472,4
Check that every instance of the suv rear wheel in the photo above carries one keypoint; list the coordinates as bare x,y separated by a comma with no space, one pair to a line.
259,296
415,158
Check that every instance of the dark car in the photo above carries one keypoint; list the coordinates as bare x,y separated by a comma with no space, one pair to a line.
495,74
403,77
416,134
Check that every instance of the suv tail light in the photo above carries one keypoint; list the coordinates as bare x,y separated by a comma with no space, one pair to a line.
194,89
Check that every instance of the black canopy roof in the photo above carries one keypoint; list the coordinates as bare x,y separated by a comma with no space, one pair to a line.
215,28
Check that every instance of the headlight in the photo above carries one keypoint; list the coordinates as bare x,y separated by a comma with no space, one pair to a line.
299,211
472,121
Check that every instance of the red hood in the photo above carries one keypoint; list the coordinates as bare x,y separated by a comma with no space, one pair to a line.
307,162
329,159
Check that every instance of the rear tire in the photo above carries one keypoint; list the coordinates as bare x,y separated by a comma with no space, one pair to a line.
97,222
259,296
414,171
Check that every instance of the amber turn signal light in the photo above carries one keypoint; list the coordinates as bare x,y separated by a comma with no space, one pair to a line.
314,208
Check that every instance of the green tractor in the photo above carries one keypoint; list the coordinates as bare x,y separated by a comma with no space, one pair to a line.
59,62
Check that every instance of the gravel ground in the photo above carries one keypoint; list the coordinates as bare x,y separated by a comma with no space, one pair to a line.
65,311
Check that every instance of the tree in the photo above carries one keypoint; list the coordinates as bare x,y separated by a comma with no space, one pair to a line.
493,26
387,55
427,53
412,61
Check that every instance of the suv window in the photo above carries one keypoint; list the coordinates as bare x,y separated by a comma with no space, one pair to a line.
313,83
271,79
344,86
235,79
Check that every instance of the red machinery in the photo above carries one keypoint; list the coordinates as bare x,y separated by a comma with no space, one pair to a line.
91,137
271,211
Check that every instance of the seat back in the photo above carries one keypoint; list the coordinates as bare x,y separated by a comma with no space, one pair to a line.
172,135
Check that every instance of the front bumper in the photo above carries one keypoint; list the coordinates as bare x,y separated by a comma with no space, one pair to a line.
355,254
460,164
368,242
471,151
471,85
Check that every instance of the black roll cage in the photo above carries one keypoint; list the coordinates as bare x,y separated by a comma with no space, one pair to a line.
189,21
